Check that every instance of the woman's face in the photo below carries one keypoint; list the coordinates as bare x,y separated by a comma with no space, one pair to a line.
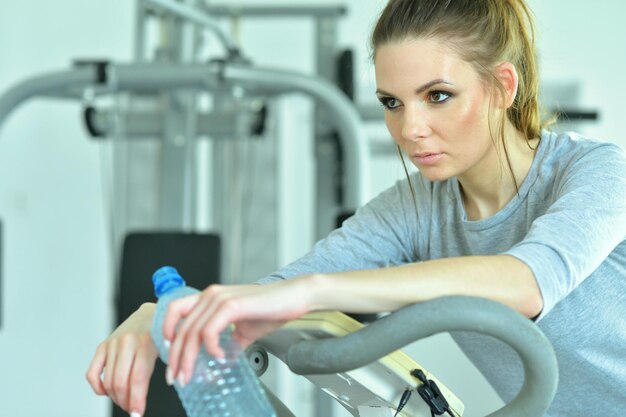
436,108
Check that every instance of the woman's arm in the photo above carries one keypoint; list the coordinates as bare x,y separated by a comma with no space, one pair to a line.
257,309
500,278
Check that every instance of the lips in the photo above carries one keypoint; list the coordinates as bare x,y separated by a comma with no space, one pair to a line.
424,154
427,158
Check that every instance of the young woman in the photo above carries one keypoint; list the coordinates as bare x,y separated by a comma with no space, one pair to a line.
500,209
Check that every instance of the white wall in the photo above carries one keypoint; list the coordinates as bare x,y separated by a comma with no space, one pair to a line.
56,287
583,42
56,293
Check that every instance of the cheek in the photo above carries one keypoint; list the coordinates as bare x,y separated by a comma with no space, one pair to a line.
471,116
471,129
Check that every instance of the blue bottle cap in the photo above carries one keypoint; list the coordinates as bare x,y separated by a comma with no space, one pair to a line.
166,279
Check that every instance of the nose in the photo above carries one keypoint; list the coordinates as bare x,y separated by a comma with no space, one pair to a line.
415,125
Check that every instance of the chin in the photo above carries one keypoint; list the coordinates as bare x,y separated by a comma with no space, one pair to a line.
435,176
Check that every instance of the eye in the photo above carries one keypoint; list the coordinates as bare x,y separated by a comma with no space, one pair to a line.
438,96
389,103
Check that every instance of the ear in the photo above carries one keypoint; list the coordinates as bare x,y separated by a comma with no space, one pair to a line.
507,75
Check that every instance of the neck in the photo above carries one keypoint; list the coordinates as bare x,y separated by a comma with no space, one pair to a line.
490,185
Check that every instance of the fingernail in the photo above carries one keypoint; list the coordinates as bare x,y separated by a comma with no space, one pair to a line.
167,345
181,379
135,414
169,376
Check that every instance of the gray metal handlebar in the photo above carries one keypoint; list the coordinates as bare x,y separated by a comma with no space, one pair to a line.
457,313
61,82
197,16
157,77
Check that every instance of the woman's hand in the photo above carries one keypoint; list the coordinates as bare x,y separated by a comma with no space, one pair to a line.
123,364
255,310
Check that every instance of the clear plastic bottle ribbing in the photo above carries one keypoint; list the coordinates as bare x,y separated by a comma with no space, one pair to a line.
225,387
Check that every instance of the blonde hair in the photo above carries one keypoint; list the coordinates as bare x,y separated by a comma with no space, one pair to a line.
484,33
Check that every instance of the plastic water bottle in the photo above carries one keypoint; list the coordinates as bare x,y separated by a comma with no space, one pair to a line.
225,387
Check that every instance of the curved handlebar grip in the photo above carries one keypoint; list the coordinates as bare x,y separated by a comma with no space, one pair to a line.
77,78
417,321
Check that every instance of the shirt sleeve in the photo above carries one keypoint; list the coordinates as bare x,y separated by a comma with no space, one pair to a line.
581,228
378,235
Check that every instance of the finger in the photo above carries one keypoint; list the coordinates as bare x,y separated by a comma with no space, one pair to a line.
247,332
242,340
186,346
189,352
109,370
188,341
143,367
96,367
217,320
192,343
122,370
177,310
199,304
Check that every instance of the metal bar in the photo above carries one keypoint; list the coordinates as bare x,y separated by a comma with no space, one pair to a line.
139,50
281,409
277,11
329,184
153,77
138,125
79,79
174,167
150,78
417,321
197,16
340,109
572,115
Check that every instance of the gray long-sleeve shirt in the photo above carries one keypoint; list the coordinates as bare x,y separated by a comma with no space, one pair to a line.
568,223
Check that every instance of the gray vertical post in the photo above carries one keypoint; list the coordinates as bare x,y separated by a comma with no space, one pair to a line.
224,174
140,25
175,164
326,149
173,142
166,165
219,191
153,178
327,163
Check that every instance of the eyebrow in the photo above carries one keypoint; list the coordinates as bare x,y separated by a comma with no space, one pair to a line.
421,89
